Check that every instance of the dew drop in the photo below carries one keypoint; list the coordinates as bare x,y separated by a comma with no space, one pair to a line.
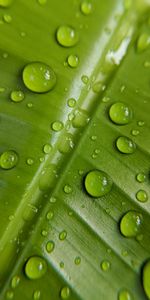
125,145
57,126
141,123
80,119
86,8
120,113
67,36
5,3
125,295
71,102
146,277
85,79
7,18
47,148
73,61
50,246
105,265
36,295
15,281
30,161
17,96
98,87
44,233
61,264
135,132
50,215
63,235
130,224
9,294
35,267
67,189
77,260
65,292
98,183
141,177
142,196
66,144
39,77
143,42
8,159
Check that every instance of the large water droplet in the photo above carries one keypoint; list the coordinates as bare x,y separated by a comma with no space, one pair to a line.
39,77
35,267
97,183
143,42
73,61
67,36
142,196
8,159
86,7
146,279
125,295
65,292
130,224
17,96
5,3
125,145
120,113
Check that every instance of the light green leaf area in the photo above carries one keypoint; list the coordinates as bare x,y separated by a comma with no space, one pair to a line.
74,239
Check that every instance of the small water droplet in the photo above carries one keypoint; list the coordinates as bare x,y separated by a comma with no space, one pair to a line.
44,232
105,265
125,145
57,126
63,235
29,105
50,246
5,55
17,96
65,292
125,295
141,123
2,89
130,224
9,294
30,161
135,132
77,260
143,42
98,87
5,3
142,196
39,77
141,177
105,99
67,189
93,138
36,295
7,18
8,159
86,7
80,119
71,102
124,253
50,215
66,144
15,281
67,36
35,267
52,200
73,61
61,264
97,183
85,79
146,277
120,113
47,148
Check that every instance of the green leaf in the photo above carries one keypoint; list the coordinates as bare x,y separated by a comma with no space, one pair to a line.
46,213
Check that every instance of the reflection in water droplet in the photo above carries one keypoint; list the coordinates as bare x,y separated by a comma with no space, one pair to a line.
105,265
39,77
120,113
142,196
143,42
125,295
67,36
73,61
125,145
146,277
141,177
35,267
130,224
86,7
63,235
17,96
44,233
65,293
8,159
97,183
50,246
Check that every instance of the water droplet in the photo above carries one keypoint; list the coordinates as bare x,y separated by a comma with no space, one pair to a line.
93,138
147,64
143,42
77,260
35,267
9,294
44,233
63,235
5,3
141,177
47,148
36,295
125,145
142,196
73,61
135,132
30,161
120,113
141,123
57,126
130,224
97,183
85,79
8,159
105,265
98,87
80,119
66,144
125,295
39,77
17,96
50,246
7,18
2,89
61,264
48,177
71,102
124,253
52,200
65,292
11,217
146,277
67,36
15,281
29,105
67,189
42,2
50,215
86,7
105,99
5,55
